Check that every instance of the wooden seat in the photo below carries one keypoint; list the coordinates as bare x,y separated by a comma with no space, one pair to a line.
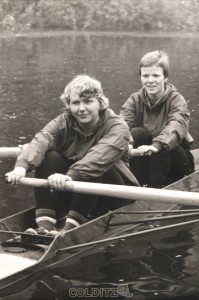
10,264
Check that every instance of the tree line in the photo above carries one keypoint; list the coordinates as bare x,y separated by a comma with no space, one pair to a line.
100,15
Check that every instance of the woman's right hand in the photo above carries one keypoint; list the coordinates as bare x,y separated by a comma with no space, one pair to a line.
57,181
145,150
14,176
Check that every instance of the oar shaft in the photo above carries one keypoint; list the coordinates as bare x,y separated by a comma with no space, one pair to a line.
15,151
119,191
9,151
128,235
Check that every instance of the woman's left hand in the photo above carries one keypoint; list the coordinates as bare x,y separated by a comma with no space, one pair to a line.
147,150
57,181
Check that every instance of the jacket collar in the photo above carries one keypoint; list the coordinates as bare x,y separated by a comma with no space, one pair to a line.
78,129
169,90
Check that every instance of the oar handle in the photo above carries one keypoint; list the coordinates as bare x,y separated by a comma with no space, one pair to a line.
135,152
15,151
9,151
119,191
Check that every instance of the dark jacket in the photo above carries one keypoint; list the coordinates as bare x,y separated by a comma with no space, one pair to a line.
169,117
93,155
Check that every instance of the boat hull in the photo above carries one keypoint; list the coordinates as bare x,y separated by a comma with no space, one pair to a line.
57,252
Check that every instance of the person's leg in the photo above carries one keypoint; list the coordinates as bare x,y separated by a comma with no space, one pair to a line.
47,202
80,209
182,164
158,168
139,164
104,204
149,170
140,137
83,205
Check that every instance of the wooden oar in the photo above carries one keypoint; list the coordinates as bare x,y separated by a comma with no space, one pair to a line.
9,151
120,191
15,151
125,236
126,192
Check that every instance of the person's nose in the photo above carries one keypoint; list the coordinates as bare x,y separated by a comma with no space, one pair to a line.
81,106
150,78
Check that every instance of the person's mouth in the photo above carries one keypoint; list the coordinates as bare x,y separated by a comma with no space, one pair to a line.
151,86
83,116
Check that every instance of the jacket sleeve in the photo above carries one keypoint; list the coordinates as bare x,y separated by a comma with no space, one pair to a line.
128,112
45,140
102,156
176,127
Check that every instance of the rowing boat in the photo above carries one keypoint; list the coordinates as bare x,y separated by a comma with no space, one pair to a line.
23,257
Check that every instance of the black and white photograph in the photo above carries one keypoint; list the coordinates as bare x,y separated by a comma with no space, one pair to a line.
99,149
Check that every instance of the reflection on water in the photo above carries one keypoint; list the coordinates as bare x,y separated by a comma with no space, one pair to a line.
156,266
134,261
33,74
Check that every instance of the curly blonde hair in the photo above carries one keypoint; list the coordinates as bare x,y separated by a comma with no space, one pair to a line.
85,85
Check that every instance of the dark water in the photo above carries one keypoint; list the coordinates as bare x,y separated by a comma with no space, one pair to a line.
158,266
35,69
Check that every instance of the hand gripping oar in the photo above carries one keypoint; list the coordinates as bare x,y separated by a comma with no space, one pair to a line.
15,151
121,191
126,192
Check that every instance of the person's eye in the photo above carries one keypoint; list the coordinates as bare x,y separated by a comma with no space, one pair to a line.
89,101
75,102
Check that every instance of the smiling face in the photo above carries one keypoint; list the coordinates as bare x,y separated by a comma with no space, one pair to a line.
153,81
84,109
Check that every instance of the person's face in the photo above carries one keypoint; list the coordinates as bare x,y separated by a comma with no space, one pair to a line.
84,110
153,80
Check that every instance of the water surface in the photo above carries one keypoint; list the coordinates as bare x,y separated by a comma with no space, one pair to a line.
33,73
35,69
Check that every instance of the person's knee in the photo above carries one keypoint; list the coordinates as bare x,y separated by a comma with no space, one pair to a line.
112,176
52,163
52,155
140,137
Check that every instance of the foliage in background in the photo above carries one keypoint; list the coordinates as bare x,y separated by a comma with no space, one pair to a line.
109,15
